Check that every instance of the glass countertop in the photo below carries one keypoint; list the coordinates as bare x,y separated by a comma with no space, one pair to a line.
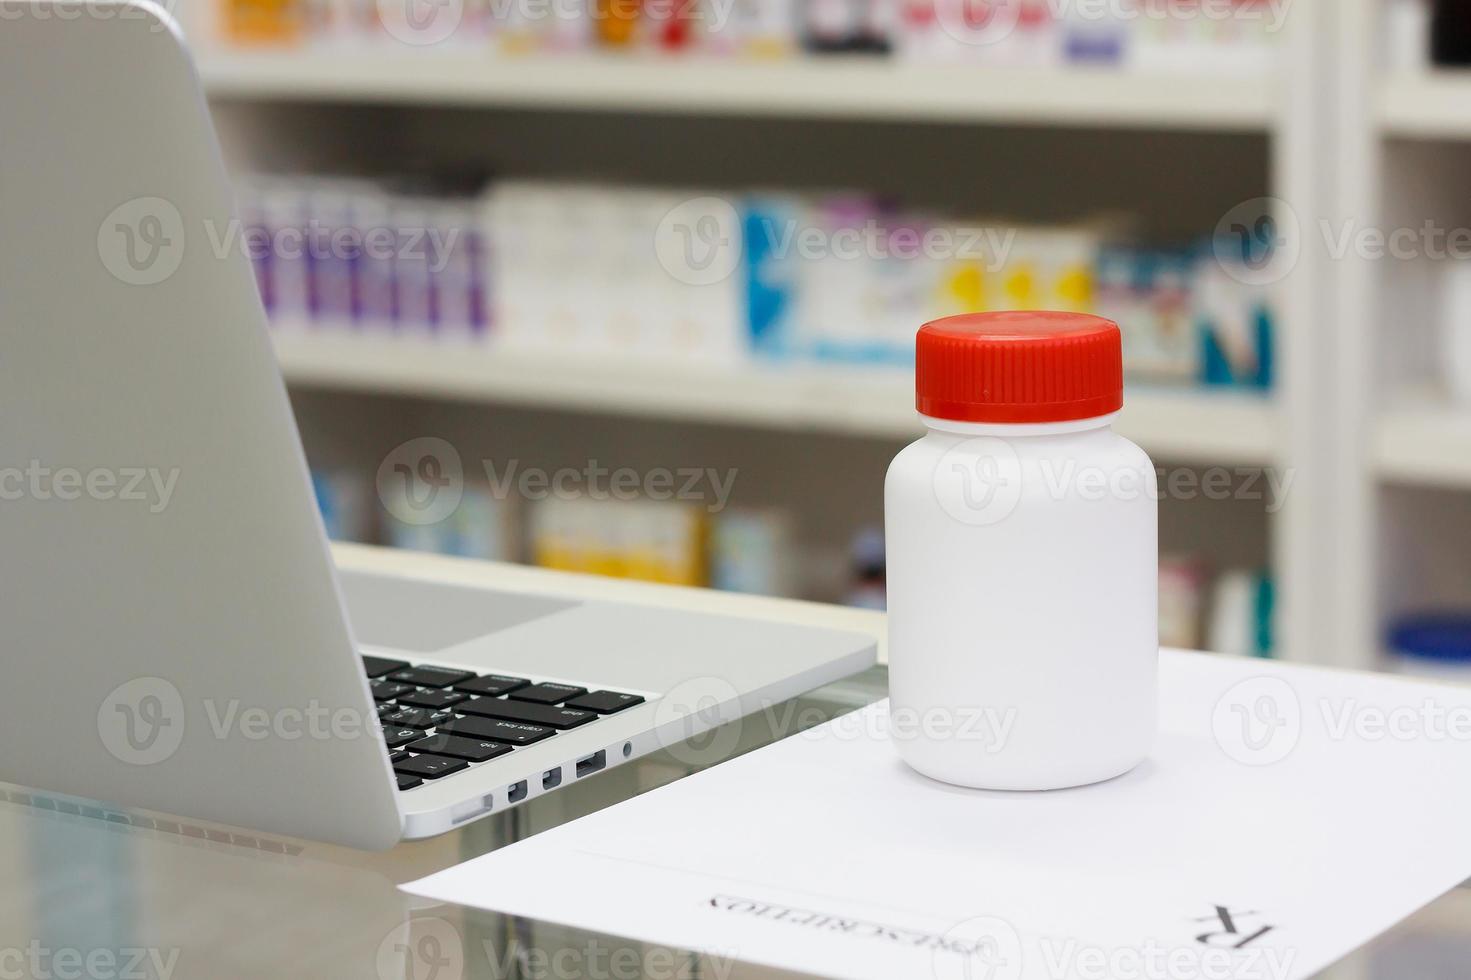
101,893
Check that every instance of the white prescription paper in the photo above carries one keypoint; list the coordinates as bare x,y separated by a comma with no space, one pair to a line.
1287,816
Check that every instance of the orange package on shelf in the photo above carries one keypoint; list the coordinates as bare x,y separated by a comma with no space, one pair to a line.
263,21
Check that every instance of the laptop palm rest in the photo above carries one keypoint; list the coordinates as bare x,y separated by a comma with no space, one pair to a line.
419,617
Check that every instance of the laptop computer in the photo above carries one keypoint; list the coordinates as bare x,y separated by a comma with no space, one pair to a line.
176,636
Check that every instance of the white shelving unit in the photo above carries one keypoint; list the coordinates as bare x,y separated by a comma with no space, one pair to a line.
1423,445
1188,427
1425,105
1403,464
856,88
1197,428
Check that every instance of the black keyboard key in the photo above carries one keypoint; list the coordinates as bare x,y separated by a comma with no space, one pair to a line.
415,718
428,698
384,708
495,730
605,702
548,693
378,666
408,782
533,714
422,676
430,766
397,736
397,757
388,690
456,747
491,685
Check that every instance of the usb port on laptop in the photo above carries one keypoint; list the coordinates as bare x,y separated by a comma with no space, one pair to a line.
591,764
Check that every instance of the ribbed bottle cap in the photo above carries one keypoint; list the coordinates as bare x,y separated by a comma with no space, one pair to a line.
1019,367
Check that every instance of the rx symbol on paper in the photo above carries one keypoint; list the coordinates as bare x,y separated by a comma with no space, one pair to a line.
1228,930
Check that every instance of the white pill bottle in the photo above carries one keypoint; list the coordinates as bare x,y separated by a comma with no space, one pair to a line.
1022,554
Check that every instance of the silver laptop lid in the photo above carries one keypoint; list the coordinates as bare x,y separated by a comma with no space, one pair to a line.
174,637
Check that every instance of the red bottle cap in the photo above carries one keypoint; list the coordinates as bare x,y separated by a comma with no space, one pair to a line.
1019,367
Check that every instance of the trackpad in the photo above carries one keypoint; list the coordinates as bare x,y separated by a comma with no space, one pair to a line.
421,617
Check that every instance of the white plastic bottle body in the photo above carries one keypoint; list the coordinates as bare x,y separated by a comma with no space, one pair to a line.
1023,604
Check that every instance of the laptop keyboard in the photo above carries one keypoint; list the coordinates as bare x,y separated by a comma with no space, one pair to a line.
438,721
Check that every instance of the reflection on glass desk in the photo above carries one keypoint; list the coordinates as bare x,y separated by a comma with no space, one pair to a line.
107,894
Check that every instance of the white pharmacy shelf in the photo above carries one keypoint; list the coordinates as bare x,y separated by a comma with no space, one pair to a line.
1432,104
841,87
1179,426
1424,443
